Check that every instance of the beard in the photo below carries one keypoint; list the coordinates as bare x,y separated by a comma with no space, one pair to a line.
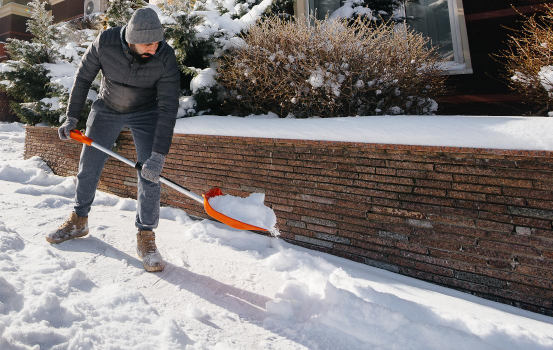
141,58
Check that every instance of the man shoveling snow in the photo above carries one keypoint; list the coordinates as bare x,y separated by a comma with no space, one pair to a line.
139,90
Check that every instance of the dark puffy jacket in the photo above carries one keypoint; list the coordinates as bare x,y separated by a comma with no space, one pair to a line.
128,86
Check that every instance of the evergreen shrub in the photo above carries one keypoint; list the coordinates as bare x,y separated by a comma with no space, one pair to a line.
38,76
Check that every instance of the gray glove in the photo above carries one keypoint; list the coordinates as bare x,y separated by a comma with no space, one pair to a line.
66,127
151,170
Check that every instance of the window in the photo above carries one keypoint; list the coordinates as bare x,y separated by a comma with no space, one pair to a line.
442,21
322,8
431,18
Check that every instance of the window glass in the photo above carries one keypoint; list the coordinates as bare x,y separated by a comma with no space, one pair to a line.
324,7
431,18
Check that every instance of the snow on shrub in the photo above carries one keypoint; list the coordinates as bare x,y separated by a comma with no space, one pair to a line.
529,61
330,69
203,31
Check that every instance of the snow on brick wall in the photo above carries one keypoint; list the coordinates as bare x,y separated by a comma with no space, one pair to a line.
476,220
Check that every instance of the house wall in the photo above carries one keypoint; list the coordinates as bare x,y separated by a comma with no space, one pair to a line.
66,10
477,220
13,26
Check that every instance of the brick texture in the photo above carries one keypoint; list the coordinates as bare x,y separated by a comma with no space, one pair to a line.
477,220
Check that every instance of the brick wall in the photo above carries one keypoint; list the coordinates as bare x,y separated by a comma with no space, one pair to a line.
477,220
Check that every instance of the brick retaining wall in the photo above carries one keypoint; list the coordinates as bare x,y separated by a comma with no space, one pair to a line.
477,220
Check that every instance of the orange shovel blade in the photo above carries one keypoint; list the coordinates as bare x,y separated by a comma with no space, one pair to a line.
214,192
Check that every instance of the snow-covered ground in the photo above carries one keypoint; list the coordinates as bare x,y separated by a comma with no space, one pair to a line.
222,288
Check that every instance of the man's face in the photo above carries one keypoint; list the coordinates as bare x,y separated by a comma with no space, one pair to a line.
144,51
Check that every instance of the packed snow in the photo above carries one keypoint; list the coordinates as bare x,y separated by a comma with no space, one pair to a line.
250,210
524,133
222,288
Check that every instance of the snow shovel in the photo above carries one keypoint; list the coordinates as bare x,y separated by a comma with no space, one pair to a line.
214,192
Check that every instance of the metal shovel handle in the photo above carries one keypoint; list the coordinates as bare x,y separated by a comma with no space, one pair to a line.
77,135
204,199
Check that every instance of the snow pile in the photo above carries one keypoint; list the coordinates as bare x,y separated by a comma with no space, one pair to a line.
325,301
205,79
12,137
30,171
250,210
526,133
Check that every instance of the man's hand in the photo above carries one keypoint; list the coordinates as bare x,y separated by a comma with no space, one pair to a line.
152,167
66,127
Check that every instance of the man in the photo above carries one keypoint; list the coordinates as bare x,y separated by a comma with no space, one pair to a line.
140,90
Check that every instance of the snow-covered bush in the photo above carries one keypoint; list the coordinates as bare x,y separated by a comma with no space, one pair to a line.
330,69
23,77
39,74
74,39
203,31
529,61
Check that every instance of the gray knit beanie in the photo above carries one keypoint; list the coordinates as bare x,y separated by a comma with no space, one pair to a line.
144,27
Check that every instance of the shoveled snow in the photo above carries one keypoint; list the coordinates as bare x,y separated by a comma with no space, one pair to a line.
222,288
526,133
250,210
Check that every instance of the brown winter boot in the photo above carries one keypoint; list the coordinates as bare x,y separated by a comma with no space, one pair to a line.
147,250
75,226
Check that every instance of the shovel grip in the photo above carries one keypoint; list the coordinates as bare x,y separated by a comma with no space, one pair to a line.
77,135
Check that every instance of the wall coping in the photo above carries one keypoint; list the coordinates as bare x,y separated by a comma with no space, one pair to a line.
14,9
382,146
508,133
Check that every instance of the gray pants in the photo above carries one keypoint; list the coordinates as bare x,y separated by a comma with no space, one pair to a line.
103,126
